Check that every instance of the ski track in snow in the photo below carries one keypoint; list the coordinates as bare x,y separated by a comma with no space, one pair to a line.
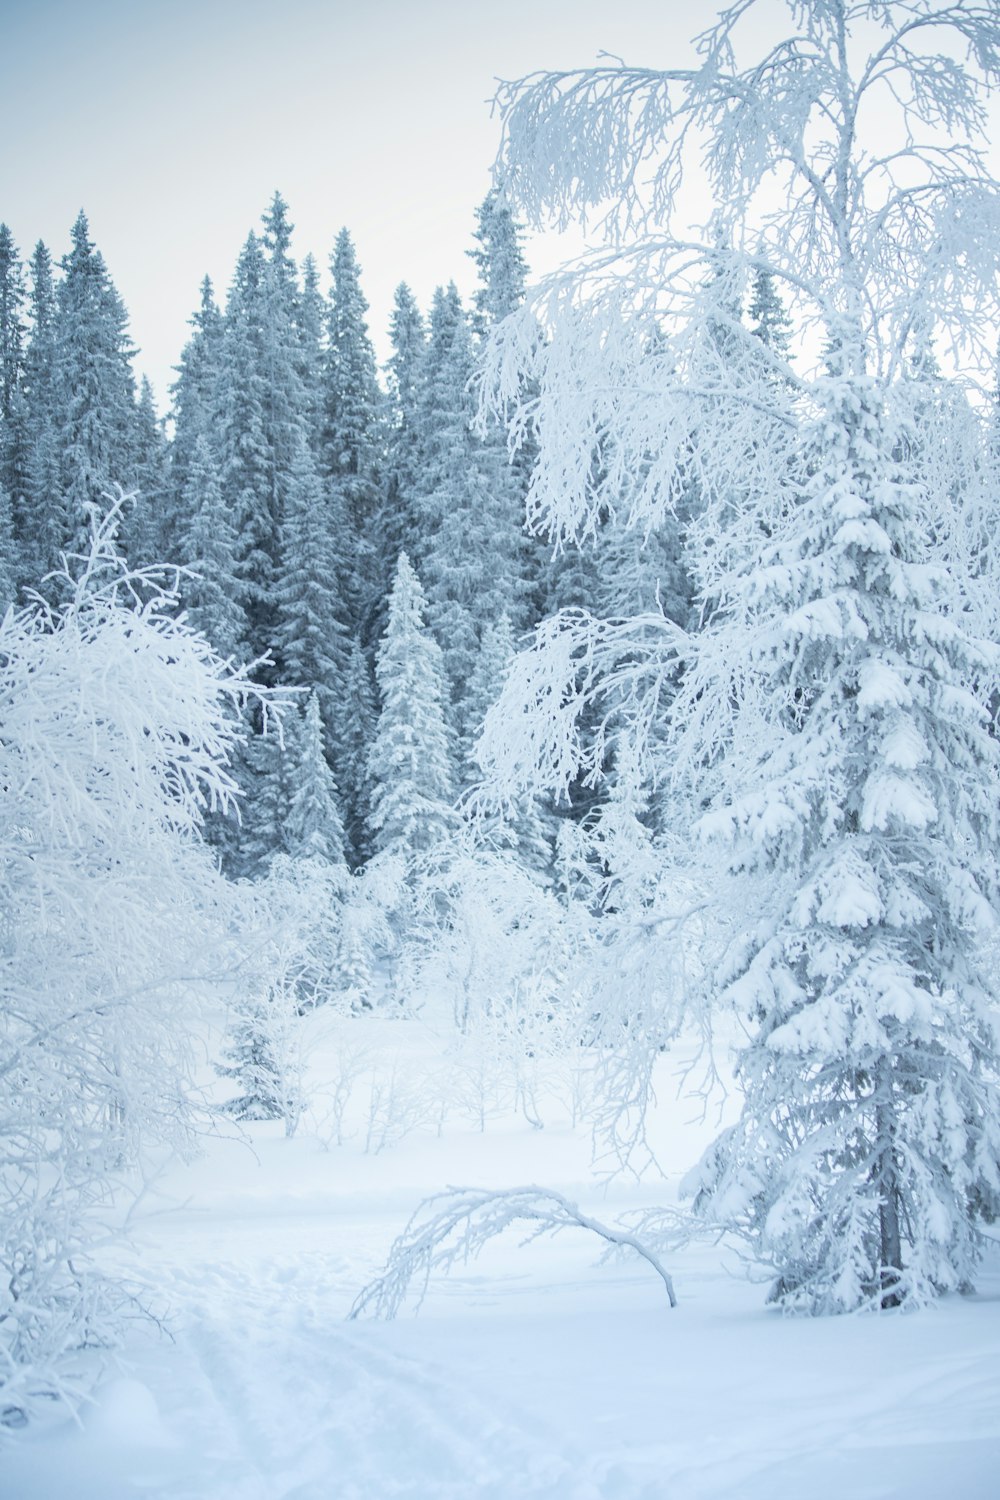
288,1403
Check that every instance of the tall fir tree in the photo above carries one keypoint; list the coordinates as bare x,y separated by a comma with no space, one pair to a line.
411,761
94,388
13,434
196,411
769,320
405,376
471,532
523,826
310,633
313,829
354,736
312,345
245,462
144,523
207,548
36,509
353,435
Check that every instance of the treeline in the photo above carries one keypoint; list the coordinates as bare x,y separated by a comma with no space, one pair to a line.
295,480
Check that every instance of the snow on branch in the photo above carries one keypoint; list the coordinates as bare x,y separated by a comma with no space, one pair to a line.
455,1225
531,735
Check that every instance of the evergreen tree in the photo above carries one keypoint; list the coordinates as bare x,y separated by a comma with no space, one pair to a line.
503,271
410,763
503,274
12,407
263,1058
769,318
354,735
868,1133
827,708
470,542
211,591
310,632
285,405
144,525
353,433
311,327
196,411
94,389
8,554
313,829
36,509
405,376
245,462
521,825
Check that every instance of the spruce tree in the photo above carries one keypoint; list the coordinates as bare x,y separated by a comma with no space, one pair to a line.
405,375
313,829
769,318
144,523
503,271
94,388
13,434
353,434
868,1143
410,763
521,825
207,547
36,507
196,411
310,631
245,462
471,540
354,735
311,331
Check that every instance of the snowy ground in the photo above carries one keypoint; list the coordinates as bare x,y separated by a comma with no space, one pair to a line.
531,1373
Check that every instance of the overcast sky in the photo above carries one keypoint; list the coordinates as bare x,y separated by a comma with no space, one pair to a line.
172,124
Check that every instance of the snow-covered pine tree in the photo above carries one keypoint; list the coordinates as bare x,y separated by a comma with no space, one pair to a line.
12,409
355,733
145,524
313,827
869,1138
196,411
263,1057
410,763
470,535
499,259
207,547
36,510
353,434
245,460
12,344
521,824
828,710
404,371
94,389
311,328
769,318
285,405
310,632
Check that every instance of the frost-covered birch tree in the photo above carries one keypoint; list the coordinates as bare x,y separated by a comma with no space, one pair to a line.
119,722
828,716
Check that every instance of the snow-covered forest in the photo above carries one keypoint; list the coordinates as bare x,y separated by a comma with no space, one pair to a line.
561,758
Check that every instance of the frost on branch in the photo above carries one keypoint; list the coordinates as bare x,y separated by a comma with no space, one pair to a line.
825,735
118,720
454,1226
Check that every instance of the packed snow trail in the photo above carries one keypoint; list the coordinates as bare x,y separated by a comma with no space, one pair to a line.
532,1374
305,1409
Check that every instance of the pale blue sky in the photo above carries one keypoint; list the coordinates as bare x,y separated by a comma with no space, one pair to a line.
172,124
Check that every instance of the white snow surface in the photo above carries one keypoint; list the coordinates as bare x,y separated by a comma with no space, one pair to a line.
531,1372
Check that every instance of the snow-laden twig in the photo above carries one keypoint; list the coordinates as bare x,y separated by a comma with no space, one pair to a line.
455,1225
